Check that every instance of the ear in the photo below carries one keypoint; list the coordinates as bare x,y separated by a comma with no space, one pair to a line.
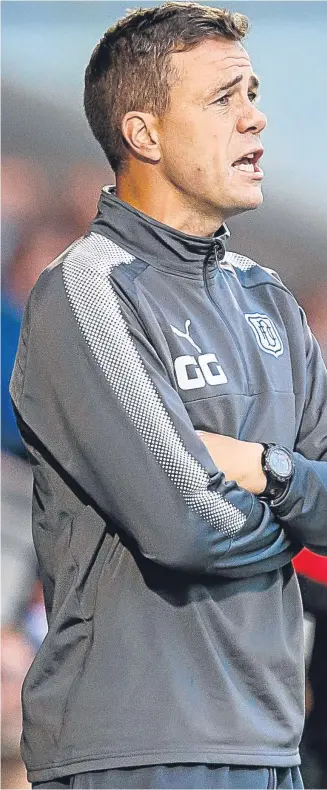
140,134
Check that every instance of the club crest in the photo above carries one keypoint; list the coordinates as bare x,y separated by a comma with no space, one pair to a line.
266,333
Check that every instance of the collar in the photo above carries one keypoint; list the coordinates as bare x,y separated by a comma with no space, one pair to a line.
159,245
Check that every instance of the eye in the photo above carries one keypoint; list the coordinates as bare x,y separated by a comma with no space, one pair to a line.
254,98
223,100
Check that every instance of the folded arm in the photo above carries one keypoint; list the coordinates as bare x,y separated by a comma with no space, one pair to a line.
303,508
96,395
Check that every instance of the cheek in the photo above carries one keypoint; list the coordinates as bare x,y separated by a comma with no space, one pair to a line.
185,133
192,149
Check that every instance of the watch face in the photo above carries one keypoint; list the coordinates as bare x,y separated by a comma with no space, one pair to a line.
280,462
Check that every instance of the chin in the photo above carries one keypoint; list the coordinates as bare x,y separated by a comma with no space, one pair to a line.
255,203
248,203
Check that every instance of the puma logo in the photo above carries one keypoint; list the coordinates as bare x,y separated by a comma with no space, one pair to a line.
186,334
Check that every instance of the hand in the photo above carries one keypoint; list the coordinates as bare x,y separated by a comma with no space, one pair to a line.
239,461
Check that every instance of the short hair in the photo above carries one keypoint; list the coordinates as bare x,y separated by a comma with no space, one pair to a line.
131,69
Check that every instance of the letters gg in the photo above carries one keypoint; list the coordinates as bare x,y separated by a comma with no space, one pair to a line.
200,370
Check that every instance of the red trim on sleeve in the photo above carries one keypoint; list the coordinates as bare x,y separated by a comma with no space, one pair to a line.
311,565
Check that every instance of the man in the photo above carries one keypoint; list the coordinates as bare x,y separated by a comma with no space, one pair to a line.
155,377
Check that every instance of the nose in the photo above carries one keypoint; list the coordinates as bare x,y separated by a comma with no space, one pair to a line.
251,120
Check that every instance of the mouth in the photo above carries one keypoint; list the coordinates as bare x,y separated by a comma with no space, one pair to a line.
248,163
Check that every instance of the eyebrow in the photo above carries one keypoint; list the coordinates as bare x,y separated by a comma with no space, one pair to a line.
254,83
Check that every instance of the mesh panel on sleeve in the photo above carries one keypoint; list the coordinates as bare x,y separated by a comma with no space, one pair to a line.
240,261
244,263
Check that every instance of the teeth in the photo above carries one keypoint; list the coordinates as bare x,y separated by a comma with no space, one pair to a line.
248,168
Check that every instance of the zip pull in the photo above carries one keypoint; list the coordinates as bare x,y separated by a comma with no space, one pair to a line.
219,252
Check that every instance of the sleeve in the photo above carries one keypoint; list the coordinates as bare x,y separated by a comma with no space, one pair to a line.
303,510
90,386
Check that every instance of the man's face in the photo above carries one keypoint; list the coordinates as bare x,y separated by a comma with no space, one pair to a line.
211,124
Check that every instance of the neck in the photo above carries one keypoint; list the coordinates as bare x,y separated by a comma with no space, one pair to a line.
166,203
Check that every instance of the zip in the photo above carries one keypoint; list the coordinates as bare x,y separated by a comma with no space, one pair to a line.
222,314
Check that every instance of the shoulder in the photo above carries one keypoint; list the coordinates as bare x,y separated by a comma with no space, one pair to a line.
92,252
93,258
252,273
243,264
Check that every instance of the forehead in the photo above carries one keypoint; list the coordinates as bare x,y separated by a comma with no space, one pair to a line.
210,62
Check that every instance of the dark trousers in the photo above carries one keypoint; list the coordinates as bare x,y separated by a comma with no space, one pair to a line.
188,777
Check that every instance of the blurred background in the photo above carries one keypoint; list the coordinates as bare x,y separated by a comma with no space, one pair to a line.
52,172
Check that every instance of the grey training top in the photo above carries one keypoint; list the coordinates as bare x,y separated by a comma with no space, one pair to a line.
175,620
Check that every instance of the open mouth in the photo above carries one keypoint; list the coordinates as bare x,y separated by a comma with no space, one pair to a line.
249,163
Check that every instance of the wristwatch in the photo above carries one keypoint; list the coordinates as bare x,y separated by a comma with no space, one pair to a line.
278,466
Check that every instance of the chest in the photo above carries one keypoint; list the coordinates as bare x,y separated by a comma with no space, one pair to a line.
231,360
